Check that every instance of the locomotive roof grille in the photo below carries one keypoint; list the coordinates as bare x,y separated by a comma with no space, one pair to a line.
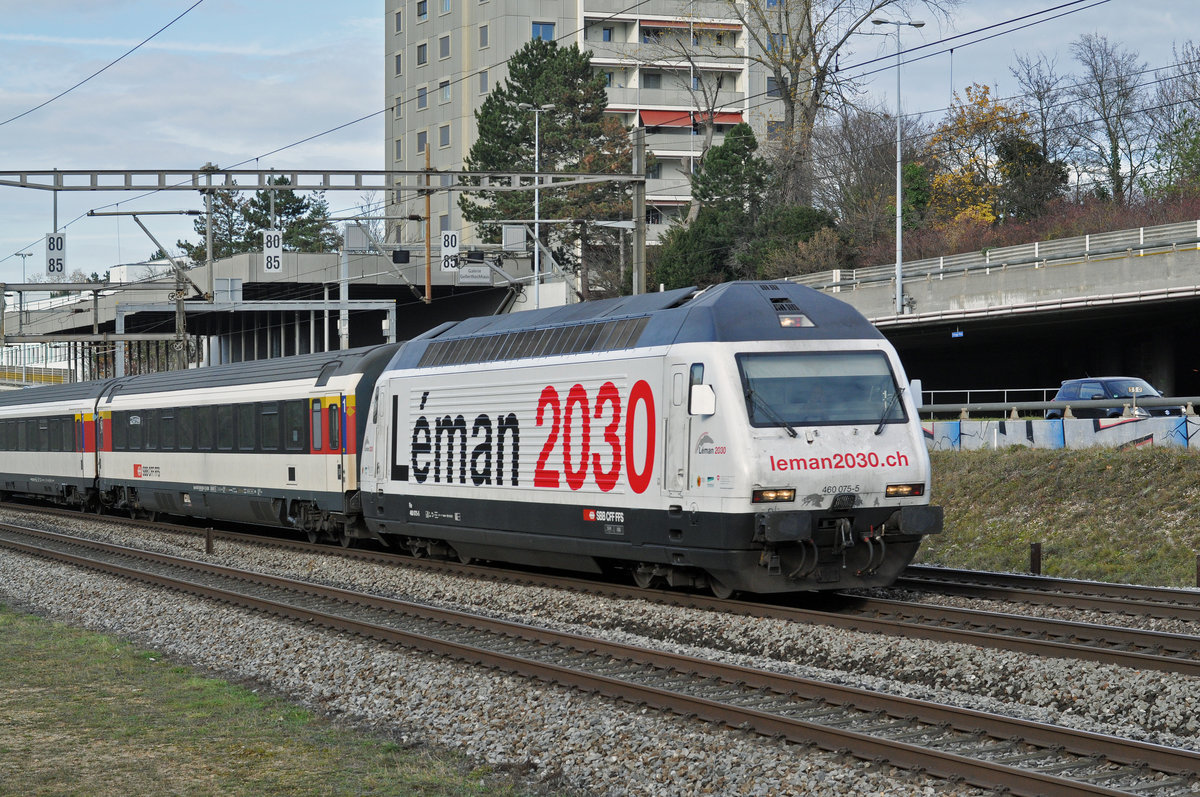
621,333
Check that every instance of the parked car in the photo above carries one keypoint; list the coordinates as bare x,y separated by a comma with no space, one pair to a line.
1112,388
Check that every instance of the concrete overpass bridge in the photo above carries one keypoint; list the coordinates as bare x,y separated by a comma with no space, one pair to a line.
1124,302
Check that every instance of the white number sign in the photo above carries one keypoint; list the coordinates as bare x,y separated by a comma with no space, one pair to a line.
56,254
449,250
272,251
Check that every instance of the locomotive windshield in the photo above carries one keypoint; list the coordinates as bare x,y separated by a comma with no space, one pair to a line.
806,388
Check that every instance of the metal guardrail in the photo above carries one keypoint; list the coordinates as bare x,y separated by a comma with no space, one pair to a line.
1011,408
1142,239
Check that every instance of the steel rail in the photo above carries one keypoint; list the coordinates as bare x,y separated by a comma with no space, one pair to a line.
1162,602
863,745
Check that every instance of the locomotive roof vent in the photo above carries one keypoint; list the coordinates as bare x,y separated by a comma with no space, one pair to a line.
789,313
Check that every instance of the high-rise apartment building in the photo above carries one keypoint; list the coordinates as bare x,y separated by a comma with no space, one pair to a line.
668,64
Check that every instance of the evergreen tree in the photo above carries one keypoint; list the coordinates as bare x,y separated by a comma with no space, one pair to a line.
573,136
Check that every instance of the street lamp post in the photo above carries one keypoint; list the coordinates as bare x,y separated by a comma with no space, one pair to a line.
537,226
899,207
21,310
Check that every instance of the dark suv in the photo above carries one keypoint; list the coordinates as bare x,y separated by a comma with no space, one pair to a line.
1109,387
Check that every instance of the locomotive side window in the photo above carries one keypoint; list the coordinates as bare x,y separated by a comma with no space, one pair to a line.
225,427
245,427
316,424
293,424
269,422
335,427
806,388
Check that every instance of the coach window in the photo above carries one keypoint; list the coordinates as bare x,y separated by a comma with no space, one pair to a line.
55,427
225,427
166,430
293,424
43,437
335,427
269,426
245,427
72,434
186,428
22,436
150,429
316,424
134,441
206,425
120,425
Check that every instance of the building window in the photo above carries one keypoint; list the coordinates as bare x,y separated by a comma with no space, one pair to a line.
652,80
444,136
775,130
443,223
778,43
399,149
444,47
483,82
422,10
543,31
399,63
399,106
399,21
653,215
422,137
608,78
773,87
445,6
606,34
654,171
422,54
422,98
444,90
483,35
652,35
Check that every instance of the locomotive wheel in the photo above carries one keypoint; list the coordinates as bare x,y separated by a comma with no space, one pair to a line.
643,578
346,540
314,537
719,590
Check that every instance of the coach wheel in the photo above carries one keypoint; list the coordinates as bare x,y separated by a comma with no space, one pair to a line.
643,577
346,540
152,517
463,559
719,590
314,537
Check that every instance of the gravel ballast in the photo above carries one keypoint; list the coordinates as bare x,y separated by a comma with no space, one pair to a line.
587,743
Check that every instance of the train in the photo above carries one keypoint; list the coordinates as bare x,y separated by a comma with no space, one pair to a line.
751,437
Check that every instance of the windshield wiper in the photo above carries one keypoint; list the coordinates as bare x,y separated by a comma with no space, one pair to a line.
888,410
770,413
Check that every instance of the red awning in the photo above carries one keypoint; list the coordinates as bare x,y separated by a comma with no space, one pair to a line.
667,118
722,118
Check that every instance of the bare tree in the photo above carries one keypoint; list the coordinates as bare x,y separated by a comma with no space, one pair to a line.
1117,136
798,43
1045,97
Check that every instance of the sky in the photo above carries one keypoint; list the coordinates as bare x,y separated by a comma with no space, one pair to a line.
229,82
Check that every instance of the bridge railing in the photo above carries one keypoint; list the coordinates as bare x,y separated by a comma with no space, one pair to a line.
1143,240
1017,409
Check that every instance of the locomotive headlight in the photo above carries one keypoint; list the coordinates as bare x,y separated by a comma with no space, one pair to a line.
773,496
904,490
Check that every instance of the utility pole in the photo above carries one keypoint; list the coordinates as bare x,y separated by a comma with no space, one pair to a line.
639,211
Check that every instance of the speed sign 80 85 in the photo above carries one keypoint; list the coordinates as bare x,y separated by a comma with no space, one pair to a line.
56,254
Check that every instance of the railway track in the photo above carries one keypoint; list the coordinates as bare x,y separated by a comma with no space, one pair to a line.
1181,604
1035,635
984,749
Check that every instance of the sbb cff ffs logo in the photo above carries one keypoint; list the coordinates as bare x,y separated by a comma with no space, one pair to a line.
569,454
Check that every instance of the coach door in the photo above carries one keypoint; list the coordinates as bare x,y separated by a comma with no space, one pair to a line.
676,424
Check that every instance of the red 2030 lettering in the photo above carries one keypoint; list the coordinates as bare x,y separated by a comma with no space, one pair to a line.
573,422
